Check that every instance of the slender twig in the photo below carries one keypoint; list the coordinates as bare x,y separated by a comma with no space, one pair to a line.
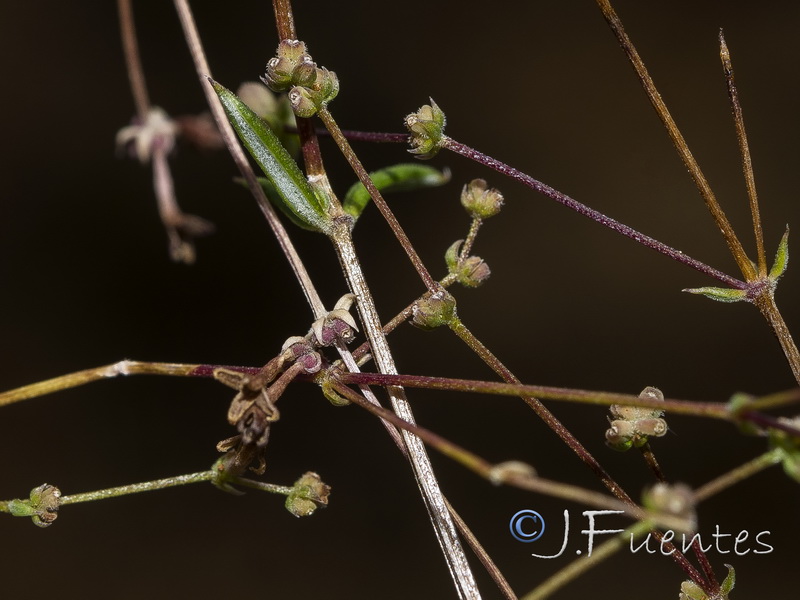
377,198
135,488
734,245
705,409
235,149
483,556
581,565
765,303
652,462
132,59
590,213
497,474
123,367
738,474
744,149
426,479
567,437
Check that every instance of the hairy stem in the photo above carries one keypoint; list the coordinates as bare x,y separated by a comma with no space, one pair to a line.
744,150
734,245
590,213
766,305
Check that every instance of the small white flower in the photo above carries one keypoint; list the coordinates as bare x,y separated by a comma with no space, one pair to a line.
157,130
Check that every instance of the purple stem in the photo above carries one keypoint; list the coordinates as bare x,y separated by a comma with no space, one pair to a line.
599,217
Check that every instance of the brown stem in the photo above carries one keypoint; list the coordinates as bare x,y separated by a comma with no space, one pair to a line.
377,198
284,19
679,142
766,304
744,150
133,60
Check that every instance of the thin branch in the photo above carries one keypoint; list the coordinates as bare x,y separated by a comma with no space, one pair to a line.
423,471
132,59
705,409
498,474
744,149
123,367
734,245
581,565
238,155
590,213
738,474
377,198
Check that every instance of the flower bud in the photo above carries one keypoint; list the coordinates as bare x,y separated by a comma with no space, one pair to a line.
426,127
42,505
433,310
671,499
481,203
308,494
303,102
473,271
280,68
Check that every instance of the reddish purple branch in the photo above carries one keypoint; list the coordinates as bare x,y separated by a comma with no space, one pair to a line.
594,215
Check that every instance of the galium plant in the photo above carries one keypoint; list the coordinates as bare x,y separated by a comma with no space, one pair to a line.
508,446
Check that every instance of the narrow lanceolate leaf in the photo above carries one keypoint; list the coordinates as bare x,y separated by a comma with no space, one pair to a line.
781,258
396,178
719,294
279,167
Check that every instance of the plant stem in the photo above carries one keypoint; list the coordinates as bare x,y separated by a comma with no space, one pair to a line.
133,61
738,474
744,150
135,488
734,245
238,155
590,213
497,474
426,479
765,303
377,198
123,367
458,327
704,409
495,364
581,565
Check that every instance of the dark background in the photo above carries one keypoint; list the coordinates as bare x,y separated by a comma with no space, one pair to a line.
86,281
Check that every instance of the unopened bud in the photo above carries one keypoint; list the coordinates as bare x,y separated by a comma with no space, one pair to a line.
308,494
434,310
426,127
480,202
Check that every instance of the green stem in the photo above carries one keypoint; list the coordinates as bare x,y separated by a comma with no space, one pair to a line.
135,488
580,566
738,474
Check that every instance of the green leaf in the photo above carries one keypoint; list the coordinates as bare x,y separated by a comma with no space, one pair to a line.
719,294
729,583
781,258
283,173
397,178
